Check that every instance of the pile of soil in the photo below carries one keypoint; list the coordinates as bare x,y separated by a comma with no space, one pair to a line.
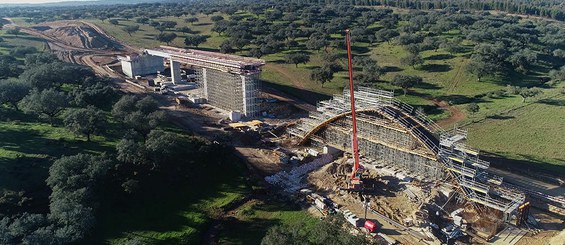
78,35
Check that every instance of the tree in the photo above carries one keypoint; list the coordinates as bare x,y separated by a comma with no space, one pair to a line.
328,231
523,59
94,91
191,20
158,148
22,51
48,103
71,173
296,58
480,69
371,71
12,91
185,29
131,29
14,31
412,60
559,53
33,60
451,47
321,75
528,93
255,52
114,22
557,75
386,35
413,48
406,82
226,47
9,67
317,41
284,235
492,55
169,24
73,181
85,121
55,74
194,40
166,37
473,107
142,20
141,115
216,18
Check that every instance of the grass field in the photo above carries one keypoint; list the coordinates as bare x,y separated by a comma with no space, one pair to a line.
530,136
28,147
182,215
22,40
254,219
179,215
145,37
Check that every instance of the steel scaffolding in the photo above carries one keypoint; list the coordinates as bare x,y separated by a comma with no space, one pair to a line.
229,82
394,133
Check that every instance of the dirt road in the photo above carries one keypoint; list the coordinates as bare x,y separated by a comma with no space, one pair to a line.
455,116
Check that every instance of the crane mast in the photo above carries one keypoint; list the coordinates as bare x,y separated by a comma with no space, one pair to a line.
356,173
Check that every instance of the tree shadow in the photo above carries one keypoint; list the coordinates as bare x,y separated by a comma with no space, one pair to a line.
529,166
360,50
305,95
392,69
425,85
500,117
554,102
457,99
440,57
435,68
202,24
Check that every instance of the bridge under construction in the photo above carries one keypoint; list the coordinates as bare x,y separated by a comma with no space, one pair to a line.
393,133
229,82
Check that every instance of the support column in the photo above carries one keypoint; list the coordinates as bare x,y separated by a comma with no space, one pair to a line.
244,96
205,83
175,72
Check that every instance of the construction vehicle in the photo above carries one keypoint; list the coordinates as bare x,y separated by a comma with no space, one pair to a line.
355,182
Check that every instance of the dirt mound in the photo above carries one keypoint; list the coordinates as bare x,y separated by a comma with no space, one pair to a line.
78,35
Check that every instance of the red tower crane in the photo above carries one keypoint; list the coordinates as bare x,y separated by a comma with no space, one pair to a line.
357,169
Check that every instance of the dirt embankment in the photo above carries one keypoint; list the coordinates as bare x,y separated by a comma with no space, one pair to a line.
77,34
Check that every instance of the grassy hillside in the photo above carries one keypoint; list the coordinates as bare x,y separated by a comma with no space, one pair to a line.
22,40
145,37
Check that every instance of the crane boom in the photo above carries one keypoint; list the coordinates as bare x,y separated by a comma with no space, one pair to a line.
356,174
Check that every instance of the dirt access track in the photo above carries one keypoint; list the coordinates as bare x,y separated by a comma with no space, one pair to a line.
75,41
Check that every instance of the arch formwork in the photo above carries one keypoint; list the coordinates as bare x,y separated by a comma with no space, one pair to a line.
393,133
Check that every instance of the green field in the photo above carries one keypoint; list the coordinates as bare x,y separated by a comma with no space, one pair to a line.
145,37
27,149
254,218
183,215
529,136
22,40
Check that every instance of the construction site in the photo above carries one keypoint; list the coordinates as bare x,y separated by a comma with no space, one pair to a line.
394,162
362,154
408,172
228,82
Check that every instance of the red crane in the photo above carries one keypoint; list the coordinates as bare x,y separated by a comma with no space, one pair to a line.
357,169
